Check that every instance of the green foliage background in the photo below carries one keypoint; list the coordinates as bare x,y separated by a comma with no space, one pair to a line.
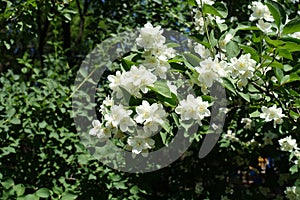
42,44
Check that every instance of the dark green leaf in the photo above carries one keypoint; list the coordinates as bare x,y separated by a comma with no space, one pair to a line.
277,12
161,88
284,53
252,51
218,9
229,85
244,96
292,26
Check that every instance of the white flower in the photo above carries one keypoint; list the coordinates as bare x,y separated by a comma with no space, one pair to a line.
138,78
119,116
230,136
199,21
243,68
140,143
292,193
272,113
108,102
97,127
202,51
288,144
225,41
115,83
147,113
210,71
150,37
193,108
264,26
150,62
247,122
101,132
260,11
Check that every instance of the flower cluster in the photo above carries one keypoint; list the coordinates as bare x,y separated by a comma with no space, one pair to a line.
288,144
272,113
261,13
133,81
242,68
193,108
210,71
292,193
136,123
156,52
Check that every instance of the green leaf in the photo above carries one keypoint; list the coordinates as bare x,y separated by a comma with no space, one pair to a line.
218,9
287,68
7,183
83,159
279,74
173,45
291,47
191,58
15,121
30,197
289,78
11,112
42,124
176,120
284,53
83,72
213,40
274,43
232,49
8,150
294,115
245,96
161,88
229,85
68,196
247,28
163,137
43,192
20,189
192,2
277,12
294,169
255,114
292,26
172,102
252,51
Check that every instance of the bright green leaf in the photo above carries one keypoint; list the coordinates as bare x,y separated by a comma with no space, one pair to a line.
232,49
20,189
292,26
161,88
43,192
7,183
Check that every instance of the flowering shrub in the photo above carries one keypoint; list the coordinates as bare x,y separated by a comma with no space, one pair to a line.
257,62
249,48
